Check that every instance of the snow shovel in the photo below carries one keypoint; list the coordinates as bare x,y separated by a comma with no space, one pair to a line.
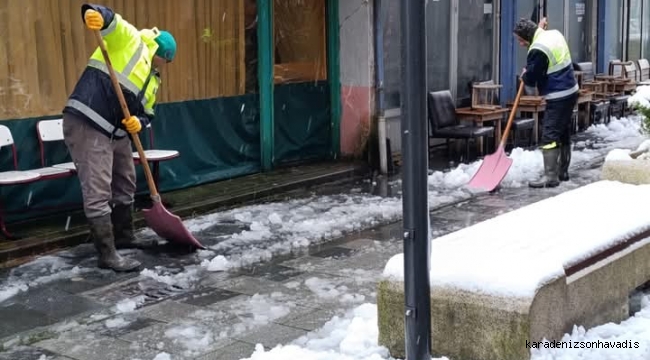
162,222
495,167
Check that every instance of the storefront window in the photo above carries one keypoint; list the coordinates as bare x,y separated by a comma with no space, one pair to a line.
634,31
614,34
438,44
390,19
475,47
645,30
555,15
524,10
300,46
438,36
579,42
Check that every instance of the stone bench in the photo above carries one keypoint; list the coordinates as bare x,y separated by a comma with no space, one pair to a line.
630,167
528,275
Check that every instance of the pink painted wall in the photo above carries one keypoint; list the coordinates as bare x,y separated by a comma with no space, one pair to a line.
355,17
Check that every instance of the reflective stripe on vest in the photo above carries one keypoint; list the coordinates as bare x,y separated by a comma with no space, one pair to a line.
552,43
94,116
109,29
563,93
122,76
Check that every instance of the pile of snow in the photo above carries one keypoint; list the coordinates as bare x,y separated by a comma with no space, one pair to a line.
540,255
129,305
528,164
354,337
618,155
629,340
641,97
260,310
617,129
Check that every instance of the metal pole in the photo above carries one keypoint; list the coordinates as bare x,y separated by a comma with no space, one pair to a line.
414,181
379,85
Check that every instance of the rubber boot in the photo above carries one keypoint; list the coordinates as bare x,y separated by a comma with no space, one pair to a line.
101,230
565,161
551,168
122,219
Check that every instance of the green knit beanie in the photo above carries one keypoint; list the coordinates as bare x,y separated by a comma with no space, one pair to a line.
166,46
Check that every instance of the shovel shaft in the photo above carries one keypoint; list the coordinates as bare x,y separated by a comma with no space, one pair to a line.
504,137
127,114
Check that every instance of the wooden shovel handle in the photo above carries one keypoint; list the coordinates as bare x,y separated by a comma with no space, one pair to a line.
504,136
127,114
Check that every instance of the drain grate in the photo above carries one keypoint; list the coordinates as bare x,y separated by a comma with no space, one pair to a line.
150,291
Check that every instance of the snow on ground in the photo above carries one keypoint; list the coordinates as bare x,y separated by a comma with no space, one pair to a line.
354,337
283,227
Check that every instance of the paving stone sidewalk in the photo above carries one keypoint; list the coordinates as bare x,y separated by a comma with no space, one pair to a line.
221,315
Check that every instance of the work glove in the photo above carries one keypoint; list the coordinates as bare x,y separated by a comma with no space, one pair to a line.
93,19
132,125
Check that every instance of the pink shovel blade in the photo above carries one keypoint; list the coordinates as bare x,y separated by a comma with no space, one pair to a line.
493,169
169,226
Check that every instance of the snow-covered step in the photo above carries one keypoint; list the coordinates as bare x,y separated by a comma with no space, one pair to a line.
500,287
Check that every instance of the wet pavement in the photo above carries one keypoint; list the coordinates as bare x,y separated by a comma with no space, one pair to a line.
189,306
216,315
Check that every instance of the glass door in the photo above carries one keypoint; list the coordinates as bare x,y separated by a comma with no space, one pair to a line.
524,10
438,43
555,15
301,96
634,30
578,29
645,30
475,46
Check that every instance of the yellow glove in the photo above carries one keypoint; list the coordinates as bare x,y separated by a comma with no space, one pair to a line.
132,125
93,19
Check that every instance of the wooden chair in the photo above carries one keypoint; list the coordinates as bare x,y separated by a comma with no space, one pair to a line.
644,72
518,124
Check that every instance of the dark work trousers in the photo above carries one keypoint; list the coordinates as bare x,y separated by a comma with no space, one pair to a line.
104,167
556,125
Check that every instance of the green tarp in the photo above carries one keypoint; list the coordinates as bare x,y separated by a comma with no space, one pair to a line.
217,139
302,122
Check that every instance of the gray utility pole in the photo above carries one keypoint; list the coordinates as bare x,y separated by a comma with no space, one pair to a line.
415,203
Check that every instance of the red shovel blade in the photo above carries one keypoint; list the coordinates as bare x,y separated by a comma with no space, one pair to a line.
492,171
169,226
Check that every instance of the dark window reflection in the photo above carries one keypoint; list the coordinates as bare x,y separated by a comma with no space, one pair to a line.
250,24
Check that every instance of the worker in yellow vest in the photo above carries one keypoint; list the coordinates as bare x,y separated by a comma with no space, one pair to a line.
97,134
549,67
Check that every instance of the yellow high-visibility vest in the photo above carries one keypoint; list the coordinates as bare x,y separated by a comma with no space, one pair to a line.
131,52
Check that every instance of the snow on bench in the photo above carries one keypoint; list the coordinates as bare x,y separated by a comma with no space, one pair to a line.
530,274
